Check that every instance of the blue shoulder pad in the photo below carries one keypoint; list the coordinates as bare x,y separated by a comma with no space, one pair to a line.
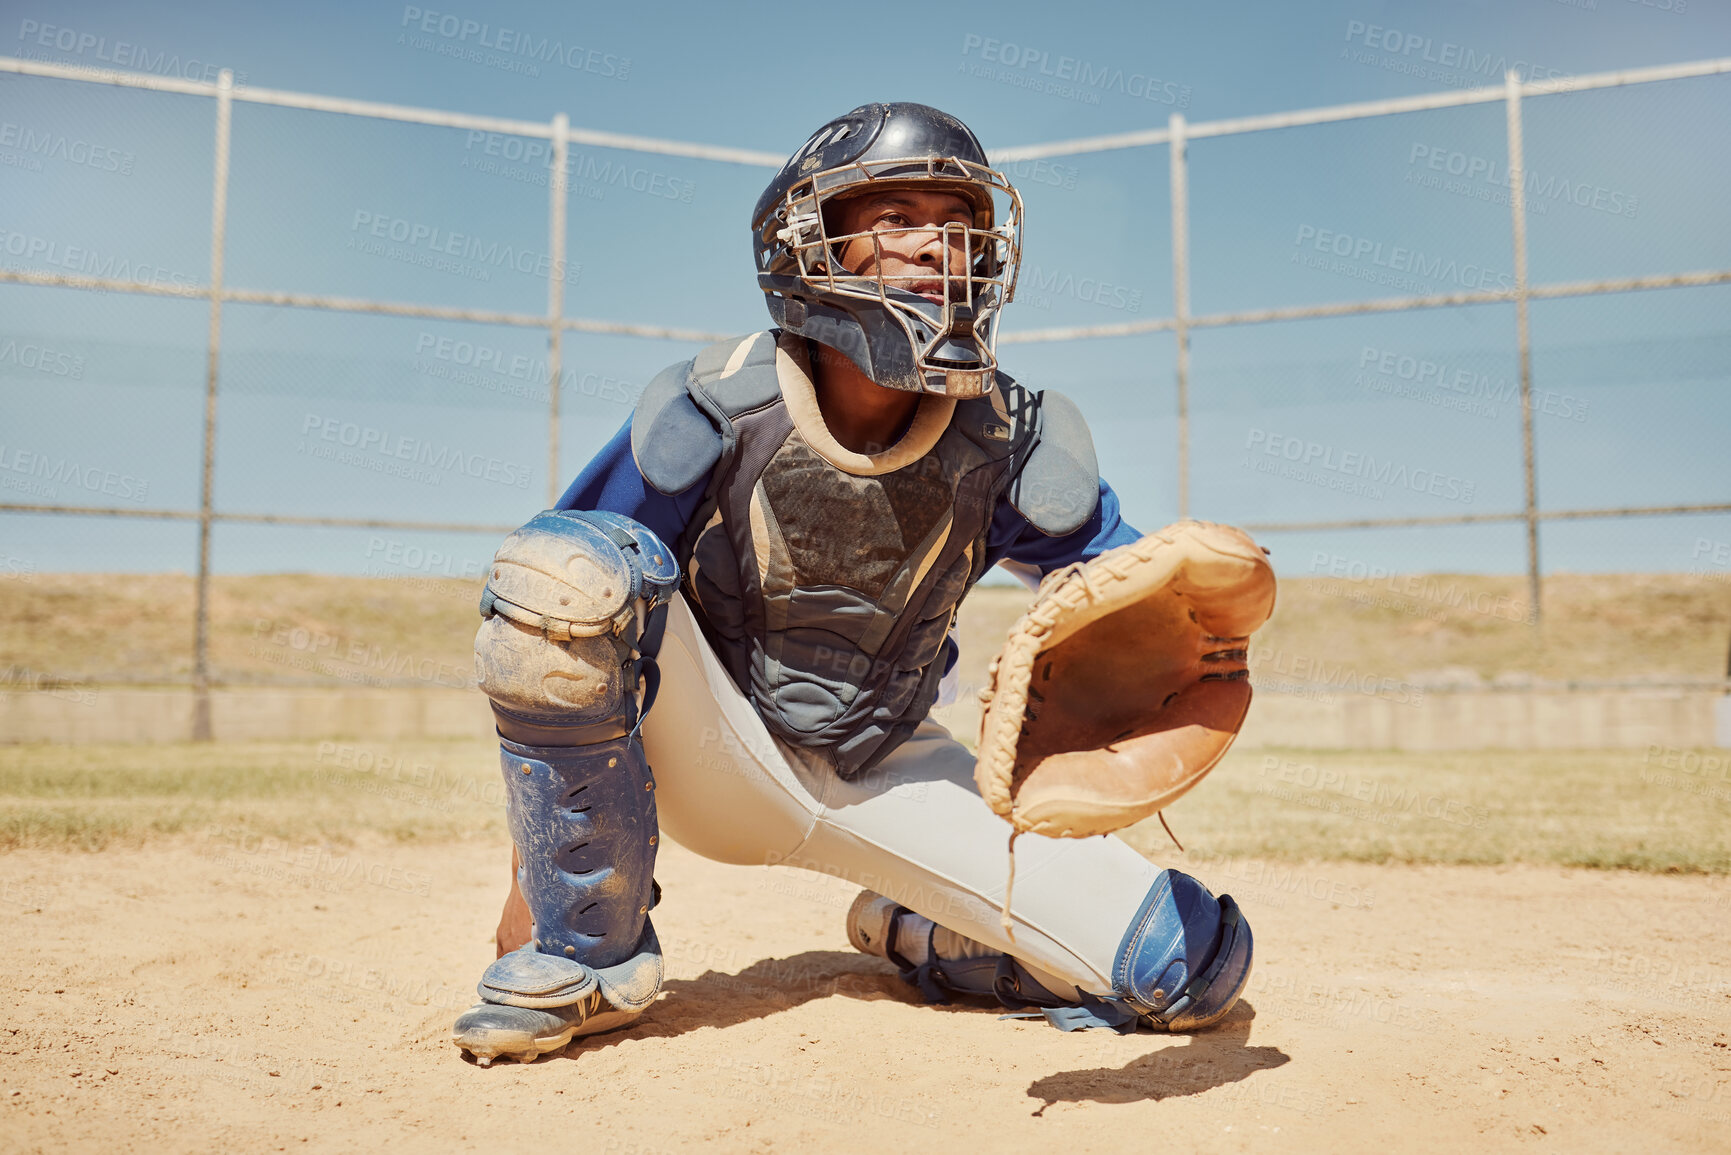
1059,485
684,420
739,375
674,444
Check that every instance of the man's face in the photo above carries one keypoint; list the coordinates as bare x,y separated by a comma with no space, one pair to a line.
907,245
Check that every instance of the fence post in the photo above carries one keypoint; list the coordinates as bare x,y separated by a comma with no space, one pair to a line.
556,299
1181,301
1518,219
201,731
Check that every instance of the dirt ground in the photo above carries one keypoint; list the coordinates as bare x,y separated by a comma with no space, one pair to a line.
237,994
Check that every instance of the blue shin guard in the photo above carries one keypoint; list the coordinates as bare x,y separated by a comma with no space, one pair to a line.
573,608
583,820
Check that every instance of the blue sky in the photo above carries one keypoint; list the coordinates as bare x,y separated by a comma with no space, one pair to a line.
1634,404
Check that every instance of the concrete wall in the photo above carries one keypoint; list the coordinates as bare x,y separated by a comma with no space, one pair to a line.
1514,720
1488,720
240,715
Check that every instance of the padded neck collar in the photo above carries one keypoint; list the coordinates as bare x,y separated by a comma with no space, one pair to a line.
793,369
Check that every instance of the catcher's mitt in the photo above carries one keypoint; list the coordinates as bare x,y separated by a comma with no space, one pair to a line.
1125,681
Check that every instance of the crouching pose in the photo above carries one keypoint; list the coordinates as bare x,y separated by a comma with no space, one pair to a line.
734,626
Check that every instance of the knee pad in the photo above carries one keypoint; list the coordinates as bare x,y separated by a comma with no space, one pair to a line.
573,606
1185,958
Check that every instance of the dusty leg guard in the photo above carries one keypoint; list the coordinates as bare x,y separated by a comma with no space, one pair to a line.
572,607
1181,966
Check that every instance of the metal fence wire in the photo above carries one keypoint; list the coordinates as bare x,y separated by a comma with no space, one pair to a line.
1183,324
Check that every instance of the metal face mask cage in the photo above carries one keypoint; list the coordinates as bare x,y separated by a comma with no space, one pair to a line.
952,344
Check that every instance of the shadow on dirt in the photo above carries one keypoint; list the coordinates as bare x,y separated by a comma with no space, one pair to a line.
1210,1059
764,988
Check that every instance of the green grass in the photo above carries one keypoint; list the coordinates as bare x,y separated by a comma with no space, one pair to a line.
1606,809
94,797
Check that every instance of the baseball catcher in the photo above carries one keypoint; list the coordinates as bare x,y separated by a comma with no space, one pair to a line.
733,627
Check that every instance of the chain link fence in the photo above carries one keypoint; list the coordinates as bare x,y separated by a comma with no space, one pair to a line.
1407,314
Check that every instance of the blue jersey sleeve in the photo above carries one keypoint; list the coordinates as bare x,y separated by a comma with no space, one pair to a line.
1013,538
612,482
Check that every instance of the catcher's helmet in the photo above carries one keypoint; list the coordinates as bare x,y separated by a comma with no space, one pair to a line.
898,338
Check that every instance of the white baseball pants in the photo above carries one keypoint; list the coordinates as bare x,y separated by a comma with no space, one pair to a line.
913,829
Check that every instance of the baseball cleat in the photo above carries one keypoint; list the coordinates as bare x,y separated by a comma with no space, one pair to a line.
490,1031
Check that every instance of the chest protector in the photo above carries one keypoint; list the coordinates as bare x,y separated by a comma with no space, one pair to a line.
828,595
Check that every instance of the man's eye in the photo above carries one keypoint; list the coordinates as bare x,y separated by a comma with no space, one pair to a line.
894,220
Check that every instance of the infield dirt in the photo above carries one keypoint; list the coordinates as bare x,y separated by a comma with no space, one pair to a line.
240,994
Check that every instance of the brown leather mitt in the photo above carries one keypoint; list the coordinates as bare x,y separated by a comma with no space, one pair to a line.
1124,683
